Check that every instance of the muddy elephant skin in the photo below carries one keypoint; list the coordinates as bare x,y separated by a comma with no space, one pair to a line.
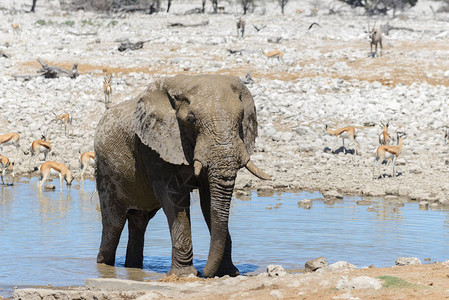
182,133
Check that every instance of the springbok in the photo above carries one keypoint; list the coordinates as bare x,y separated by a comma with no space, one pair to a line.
86,159
345,133
9,139
384,136
6,167
107,90
375,37
16,30
446,133
241,26
40,146
54,168
275,54
65,119
386,152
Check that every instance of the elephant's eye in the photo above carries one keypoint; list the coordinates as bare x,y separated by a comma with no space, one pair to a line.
191,118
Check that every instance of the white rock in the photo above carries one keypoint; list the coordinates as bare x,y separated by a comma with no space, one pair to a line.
357,283
276,271
405,261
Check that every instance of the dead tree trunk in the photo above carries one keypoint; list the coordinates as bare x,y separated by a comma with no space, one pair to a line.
168,5
56,72
33,6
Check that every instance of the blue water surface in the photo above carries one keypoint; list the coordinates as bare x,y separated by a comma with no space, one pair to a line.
53,237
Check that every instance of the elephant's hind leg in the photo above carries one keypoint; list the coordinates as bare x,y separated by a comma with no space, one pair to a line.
113,216
137,224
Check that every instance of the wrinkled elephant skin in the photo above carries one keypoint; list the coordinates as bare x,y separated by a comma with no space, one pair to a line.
182,133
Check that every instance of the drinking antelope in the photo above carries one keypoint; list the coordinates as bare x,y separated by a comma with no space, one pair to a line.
386,152
107,90
86,159
9,139
6,167
16,30
375,37
54,168
65,119
345,133
40,146
241,26
384,136
275,54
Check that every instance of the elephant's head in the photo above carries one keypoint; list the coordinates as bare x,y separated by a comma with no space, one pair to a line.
208,122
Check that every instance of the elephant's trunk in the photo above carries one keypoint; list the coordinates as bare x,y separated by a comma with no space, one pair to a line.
221,189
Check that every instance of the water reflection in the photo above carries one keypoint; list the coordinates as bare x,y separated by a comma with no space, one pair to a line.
53,236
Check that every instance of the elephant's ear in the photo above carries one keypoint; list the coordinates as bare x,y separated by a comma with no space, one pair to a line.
156,125
248,130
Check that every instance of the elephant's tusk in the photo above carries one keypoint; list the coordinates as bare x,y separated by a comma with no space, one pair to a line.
197,166
256,171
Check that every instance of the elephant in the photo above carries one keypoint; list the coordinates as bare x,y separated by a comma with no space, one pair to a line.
182,133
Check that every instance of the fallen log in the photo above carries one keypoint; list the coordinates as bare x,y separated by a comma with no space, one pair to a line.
239,51
56,72
4,54
82,33
127,45
177,24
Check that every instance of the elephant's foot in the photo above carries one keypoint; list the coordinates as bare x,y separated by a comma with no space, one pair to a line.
183,271
105,258
227,268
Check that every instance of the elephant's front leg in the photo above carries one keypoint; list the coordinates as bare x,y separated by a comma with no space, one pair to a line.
137,225
175,200
226,266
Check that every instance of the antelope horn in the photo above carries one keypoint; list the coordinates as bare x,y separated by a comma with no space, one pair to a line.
197,166
256,171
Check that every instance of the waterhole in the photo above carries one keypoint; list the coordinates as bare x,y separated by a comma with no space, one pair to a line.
53,237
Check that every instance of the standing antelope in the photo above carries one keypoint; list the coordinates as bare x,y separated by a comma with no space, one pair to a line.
40,146
9,139
16,30
86,159
107,90
446,133
386,152
384,136
275,54
6,167
65,119
241,26
345,133
54,168
375,37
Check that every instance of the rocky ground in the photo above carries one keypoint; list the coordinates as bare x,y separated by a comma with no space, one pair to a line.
327,77
337,281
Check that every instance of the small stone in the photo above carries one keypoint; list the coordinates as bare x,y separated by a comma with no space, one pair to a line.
363,202
50,187
307,204
315,264
332,194
277,294
371,209
406,261
340,266
423,205
276,271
